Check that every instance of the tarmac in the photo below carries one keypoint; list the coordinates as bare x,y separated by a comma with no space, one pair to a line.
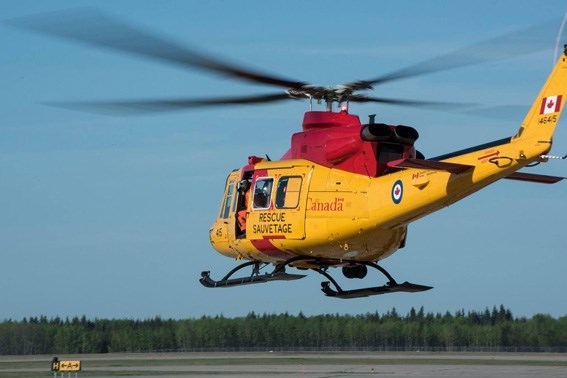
287,365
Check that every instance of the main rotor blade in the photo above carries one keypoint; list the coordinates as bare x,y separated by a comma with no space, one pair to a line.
132,107
437,105
92,27
512,113
524,41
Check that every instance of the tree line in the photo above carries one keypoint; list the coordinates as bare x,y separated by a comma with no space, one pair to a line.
495,329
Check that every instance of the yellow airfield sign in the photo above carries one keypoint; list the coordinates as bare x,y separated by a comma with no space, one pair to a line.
68,366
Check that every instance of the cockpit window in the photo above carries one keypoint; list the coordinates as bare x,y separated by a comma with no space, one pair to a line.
262,193
225,210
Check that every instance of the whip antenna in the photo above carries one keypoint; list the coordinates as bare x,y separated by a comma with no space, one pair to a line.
558,40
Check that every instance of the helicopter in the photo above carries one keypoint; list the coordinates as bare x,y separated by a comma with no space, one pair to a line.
346,191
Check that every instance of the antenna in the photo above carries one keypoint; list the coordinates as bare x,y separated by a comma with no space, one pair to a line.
558,39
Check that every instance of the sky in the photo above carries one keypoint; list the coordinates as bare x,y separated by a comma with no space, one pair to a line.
108,216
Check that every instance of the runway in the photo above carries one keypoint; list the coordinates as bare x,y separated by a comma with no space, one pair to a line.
287,365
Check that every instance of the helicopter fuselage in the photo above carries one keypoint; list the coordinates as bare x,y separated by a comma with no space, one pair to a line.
299,207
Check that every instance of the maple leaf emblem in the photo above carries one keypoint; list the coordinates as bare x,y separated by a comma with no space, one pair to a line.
550,104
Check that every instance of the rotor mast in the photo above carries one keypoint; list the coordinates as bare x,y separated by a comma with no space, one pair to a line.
341,94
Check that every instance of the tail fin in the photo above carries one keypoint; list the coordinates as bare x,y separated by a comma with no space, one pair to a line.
544,114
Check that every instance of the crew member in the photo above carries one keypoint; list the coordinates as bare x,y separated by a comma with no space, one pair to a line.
244,191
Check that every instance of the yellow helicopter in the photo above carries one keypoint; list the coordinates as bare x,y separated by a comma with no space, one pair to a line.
345,192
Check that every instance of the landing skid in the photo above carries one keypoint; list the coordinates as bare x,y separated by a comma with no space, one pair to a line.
366,292
391,287
279,274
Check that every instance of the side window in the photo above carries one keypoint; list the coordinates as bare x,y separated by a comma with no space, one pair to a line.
287,195
225,211
262,193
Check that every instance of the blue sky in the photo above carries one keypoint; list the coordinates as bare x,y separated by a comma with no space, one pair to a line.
109,216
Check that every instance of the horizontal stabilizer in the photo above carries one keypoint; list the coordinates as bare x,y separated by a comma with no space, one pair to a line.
532,177
430,164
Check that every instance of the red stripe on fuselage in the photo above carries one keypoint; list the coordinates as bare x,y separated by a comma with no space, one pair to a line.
267,248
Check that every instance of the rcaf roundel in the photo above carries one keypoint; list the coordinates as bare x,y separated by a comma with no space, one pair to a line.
397,192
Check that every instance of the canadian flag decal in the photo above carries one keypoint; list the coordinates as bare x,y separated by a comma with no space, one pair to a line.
550,104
